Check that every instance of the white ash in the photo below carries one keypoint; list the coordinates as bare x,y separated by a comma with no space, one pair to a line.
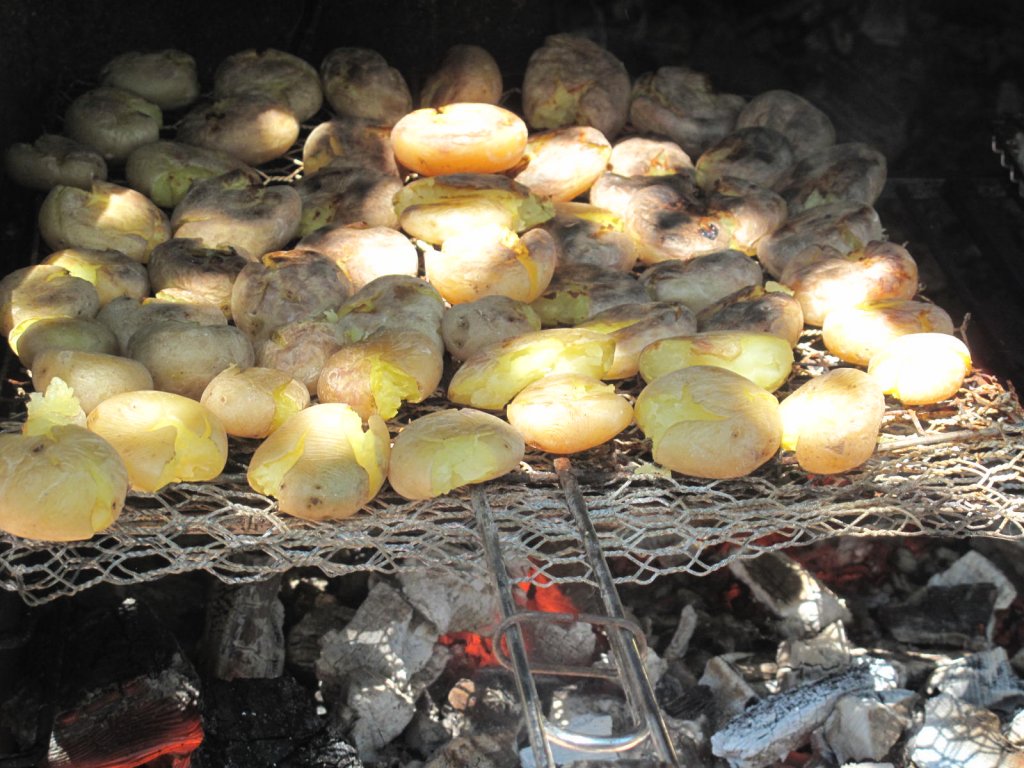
805,660
732,693
685,628
956,734
454,599
984,679
975,568
377,666
303,640
862,727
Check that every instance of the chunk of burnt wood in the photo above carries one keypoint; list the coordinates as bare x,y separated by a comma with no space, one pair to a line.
947,616
244,632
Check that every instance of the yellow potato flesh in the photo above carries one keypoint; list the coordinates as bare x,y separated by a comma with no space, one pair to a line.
832,421
569,413
491,377
459,138
854,334
764,358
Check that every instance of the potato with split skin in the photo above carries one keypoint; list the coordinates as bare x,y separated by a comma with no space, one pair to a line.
492,260
113,121
438,207
635,326
113,273
58,480
286,287
563,163
701,281
272,73
586,234
921,368
364,252
184,357
763,358
377,374
468,327
855,334
346,142
322,463
167,78
230,211
125,316
300,350
832,421
682,105
571,80
495,374
459,138
568,413
577,292
255,129
94,376
771,309
820,232
164,171
880,270
648,156
358,82
467,73
709,422
806,127
202,275
391,302
852,172
53,160
755,154
106,217
347,196
753,210
162,437
43,290
437,453
58,333
252,402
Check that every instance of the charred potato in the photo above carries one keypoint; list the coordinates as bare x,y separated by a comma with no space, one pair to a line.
577,292
467,327
702,281
358,82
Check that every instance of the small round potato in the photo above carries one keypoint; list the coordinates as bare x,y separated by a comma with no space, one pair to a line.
832,421
94,376
347,142
709,422
205,275
358,82
80,333
854,334
164,171
765,310
467,73
635,326
702,281
645,156
167,78
448,449
568,413
577,292
113,121
852,172
300,350
53,160
756,154
113,273
253,402
586,234
921,368
563,163
255,129
43,290
125,316
467,327
806,127
363,252
275,74
349,195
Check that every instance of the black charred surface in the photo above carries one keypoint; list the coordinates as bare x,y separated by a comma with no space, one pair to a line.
947,616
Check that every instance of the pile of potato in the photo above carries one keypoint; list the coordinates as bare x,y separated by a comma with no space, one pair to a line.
535,264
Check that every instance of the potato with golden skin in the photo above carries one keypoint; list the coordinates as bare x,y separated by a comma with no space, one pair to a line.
635,326
468,327
164,171
614,192
806,127
435,208
648,156
94,376
162,437
851,172
275,74
112,121
563,163
832,421
577,292
567,413
113,273
184,357
709,422
230,211
253,401
495,374
921,368
204,275
701,281
358,82
437,453
106,217
43,290
347,196
492,260
377,374
881,270
571,80
286,287
346,142
300,350
771,309
53,160
364,252
73,333
459,138
670,225
167,78
586,234
855,334
467,73
255,129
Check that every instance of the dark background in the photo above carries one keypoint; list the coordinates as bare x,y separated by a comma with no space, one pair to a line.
923,80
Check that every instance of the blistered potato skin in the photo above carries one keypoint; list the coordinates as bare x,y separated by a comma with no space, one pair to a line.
646,156
299,349
807,128
832,421
358,82
709,422
756,309
346,142
255,129
113,273
586,234
112,121
702,281
187,266
272,73
851,172
467,73
252,402
53,160
347,196
167,78
364,252
759,155
44,290
126,316
577,292
467,327
80,333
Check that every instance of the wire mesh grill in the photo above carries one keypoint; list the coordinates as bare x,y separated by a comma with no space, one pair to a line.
955,469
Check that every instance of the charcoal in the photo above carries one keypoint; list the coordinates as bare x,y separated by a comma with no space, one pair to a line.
244,634
481,750
328,749
256,722
984,679
953,616
303,641
683,700
862,727
955,733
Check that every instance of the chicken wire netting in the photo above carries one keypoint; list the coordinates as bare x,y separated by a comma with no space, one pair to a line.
953,469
